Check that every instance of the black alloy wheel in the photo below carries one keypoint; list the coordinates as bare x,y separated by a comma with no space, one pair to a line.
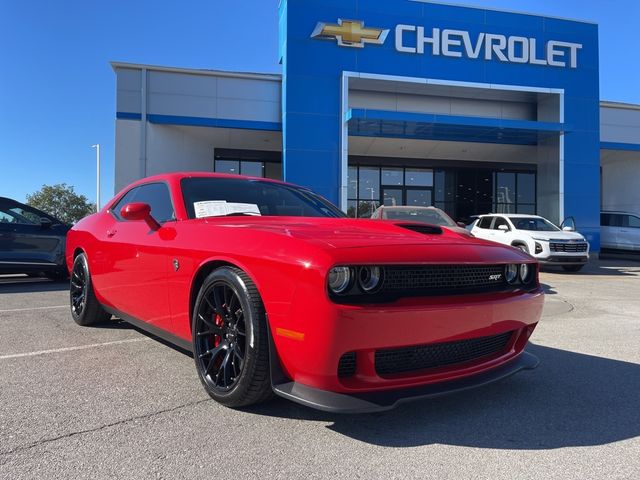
230,339
78,288
221,336
85,307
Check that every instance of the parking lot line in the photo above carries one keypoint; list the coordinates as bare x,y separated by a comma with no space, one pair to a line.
71,349
32,308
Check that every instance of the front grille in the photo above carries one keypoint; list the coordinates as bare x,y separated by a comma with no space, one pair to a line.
439,279
347,365
422,357
568,247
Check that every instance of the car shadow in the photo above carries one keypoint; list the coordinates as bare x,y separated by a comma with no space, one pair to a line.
13,284
570,400
548,289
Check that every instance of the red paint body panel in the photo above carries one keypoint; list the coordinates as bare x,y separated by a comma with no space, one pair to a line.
288,258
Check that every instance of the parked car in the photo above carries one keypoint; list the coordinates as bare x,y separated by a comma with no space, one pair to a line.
536,236
31,241
273,289
429,215
620,231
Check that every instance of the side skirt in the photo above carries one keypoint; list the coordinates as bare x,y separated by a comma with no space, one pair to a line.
153,330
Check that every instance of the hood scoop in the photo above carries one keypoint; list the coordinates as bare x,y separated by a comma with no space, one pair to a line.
421,228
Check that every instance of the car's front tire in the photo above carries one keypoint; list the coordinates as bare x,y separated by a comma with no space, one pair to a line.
85,307
230,340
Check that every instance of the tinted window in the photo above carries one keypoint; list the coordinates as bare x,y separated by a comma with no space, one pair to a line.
605,220
485,222
424,215
533,224
156,195
500,221
271,199
631,221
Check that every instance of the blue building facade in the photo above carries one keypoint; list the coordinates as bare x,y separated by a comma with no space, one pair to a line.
415,71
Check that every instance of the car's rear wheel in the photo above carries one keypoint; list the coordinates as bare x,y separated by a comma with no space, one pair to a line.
85,308
572,268
230,341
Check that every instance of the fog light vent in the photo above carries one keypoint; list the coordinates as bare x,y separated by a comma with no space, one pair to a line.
347,365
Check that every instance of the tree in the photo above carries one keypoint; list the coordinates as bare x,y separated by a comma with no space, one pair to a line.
62,202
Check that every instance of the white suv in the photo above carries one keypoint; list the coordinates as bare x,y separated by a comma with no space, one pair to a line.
537,236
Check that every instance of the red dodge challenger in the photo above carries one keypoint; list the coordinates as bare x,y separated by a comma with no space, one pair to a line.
273,290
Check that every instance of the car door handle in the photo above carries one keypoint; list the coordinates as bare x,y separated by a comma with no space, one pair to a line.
111,233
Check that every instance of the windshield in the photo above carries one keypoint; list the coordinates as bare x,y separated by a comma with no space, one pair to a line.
533,224
432,216
210,197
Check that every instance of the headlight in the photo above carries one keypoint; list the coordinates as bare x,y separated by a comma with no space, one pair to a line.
526,273
339,279
369,278
511,273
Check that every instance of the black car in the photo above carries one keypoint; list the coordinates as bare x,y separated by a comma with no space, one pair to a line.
31,241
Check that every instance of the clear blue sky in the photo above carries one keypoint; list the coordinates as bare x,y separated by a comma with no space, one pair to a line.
57,89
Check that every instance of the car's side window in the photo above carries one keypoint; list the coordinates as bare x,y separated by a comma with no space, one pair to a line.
605,220
632,221
615,220
485,222
9,215
499,222
126,198
156,195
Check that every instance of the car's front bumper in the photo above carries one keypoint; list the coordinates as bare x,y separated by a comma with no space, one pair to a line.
564,260
385,400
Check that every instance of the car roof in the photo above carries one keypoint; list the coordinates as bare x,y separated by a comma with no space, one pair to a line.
180,175
407,207
509,215
620,212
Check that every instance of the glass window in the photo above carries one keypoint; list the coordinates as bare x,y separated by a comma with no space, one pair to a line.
605,220
505,188
500,221
352,206
392,176
485,222
419,214
156,195
418,177
365,209
632,221
527,209
526,188
369,184
228,166
419,198
252,169
272,199
534,224
353,182
392,197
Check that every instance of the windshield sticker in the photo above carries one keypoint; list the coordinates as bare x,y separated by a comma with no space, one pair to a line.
220,208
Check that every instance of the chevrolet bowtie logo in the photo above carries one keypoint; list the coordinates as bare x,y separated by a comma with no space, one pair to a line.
350,33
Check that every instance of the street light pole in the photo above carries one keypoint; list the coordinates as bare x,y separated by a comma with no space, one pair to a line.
97,147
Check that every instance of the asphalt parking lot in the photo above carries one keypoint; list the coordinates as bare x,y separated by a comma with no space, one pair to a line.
112,402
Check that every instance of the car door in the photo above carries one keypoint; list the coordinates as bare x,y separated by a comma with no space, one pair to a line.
136,280
27,241
482,228
629,233
500,236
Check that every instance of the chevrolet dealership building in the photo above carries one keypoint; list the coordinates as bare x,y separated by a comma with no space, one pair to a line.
402,102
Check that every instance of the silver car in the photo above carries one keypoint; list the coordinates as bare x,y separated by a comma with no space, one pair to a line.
620,231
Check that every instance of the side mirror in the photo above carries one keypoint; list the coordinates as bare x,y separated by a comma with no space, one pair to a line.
568,225
139,211
45,222
503,228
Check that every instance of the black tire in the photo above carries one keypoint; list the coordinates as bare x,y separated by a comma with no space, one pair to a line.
522,247
234,374
85,308
572,268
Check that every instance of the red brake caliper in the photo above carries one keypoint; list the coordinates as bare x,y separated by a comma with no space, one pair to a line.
218,321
